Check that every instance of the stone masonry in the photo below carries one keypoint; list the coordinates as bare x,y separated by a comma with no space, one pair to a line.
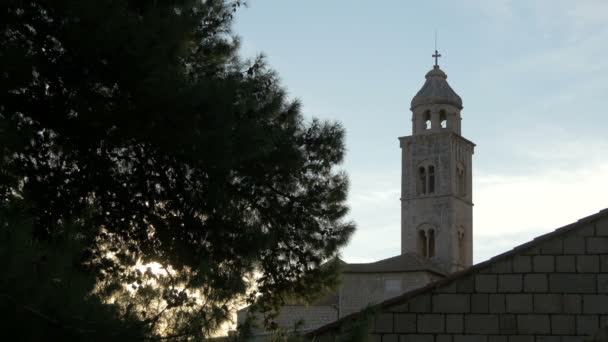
552,289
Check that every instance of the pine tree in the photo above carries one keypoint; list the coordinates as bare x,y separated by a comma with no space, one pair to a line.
138,123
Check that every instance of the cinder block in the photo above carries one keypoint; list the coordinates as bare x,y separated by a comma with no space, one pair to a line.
485,283
383,323
573,303
587,324
602,283
508,324
587,230
451,303
431,323
403,307
479,303
587,263
497,339
595,304
405,323
519,303
416,338
548,303
597,245
535,282
604,263
390,338
503,266
496,303
531,251
481,324
553,246
470,338
534,324
565,263
574,245
548,339
466,285
443,338
522,264
454,323
601,227
543,263
420,303
562,325
521,338
509,283
574,339
572,283
448,288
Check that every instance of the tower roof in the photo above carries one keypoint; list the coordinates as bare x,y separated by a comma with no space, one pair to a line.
436,90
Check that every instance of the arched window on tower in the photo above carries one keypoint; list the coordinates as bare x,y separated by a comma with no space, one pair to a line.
427,120
443,119
461,180
425,179
431,179
422,242
421,183
431,243
461,251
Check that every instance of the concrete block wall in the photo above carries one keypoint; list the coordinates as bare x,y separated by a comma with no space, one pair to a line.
552,289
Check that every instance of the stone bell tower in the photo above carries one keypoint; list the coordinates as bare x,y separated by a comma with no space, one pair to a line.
436,175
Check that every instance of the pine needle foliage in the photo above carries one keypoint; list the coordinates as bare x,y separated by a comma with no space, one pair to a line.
134,128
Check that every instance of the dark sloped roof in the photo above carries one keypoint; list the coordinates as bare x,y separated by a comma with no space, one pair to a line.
408,262
462,274
436,90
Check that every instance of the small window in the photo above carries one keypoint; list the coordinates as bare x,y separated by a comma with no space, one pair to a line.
422,242
392,286
461,182
461,251
421,184
443,119
431,179
431,243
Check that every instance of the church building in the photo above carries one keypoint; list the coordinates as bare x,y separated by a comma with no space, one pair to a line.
436,214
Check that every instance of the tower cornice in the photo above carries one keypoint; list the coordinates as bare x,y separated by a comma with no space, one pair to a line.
404,140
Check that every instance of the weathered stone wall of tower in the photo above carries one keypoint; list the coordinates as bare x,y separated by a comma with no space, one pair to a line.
447,211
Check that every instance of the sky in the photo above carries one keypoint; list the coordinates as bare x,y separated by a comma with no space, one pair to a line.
532,74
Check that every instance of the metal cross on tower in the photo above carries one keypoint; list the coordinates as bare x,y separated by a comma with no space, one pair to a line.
436,56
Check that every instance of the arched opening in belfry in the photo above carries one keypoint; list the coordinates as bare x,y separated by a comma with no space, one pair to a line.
443,119
431,179
422,243
427,120
421,184
431,243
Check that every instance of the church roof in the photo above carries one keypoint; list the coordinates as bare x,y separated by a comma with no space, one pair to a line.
436,90
408,262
